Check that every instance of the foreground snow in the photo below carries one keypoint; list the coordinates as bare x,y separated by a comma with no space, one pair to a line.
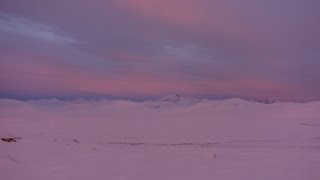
224,140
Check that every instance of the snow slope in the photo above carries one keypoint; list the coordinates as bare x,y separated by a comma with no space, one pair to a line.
188,139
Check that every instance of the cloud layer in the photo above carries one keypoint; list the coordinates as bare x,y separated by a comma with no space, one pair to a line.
151,48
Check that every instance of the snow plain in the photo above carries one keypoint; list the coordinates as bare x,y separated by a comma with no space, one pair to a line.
159,140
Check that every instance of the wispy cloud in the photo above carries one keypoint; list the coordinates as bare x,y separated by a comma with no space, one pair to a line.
26,27
230,48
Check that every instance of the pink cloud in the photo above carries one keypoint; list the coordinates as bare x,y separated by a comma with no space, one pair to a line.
204,17
51,76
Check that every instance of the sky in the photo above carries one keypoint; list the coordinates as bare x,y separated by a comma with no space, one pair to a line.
146,48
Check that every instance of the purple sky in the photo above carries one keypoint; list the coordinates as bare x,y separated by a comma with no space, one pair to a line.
142,48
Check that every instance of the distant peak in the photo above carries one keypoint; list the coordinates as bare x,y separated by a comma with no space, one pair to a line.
172,97
267,101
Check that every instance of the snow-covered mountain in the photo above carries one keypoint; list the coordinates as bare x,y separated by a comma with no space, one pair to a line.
266,101
172,100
